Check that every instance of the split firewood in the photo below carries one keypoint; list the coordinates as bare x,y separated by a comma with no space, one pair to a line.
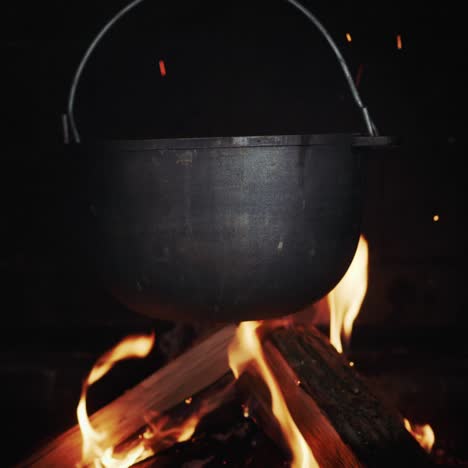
201,366
344,422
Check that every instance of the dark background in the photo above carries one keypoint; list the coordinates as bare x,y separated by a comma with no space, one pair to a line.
243,68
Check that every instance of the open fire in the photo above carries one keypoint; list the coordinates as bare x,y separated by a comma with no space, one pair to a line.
247,348
160,431
95,449
342,306
423,433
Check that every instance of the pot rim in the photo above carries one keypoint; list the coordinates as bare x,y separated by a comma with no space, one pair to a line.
189,143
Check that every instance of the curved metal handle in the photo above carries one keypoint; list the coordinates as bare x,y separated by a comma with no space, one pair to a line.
372,130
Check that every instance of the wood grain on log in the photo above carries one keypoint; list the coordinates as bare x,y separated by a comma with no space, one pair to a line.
372,429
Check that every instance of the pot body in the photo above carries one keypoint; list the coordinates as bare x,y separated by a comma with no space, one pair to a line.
220,229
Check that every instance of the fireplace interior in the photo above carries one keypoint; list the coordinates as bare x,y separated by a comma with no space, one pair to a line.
272,75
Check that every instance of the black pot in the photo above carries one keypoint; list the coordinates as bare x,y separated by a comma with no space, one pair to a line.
222,229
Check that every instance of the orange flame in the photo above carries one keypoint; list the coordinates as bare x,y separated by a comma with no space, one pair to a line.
245,349
161,430
95,451
423,434
345,300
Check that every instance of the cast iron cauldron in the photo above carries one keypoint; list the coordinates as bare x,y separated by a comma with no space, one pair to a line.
222,229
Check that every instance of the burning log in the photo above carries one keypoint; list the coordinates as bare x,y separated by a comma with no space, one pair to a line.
127,416
342,420
332,403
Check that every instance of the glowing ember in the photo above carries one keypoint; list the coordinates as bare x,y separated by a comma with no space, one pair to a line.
95,451
346,298
359,73
246,349
162,68
348,37
423,434
398,42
